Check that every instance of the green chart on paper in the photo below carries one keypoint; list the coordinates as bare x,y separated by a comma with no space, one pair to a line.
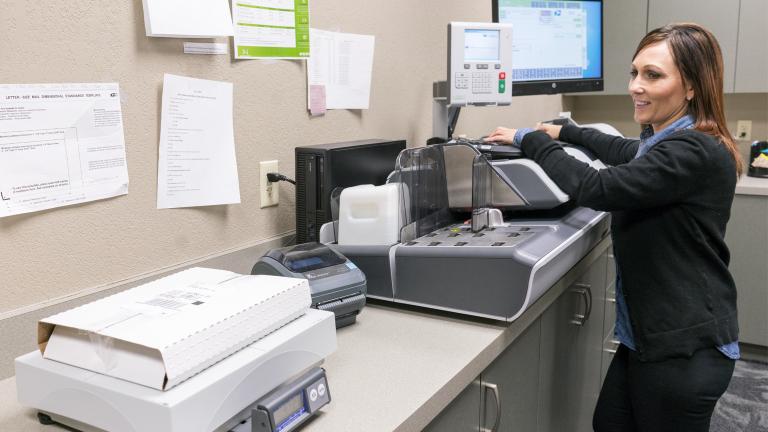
271,28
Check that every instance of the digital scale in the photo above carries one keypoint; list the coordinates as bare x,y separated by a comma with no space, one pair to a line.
274,384
290,405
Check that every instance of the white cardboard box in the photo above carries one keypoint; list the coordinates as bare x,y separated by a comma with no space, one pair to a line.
165,331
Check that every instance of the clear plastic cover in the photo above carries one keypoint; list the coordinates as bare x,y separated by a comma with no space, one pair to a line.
424,194
482,192
443,177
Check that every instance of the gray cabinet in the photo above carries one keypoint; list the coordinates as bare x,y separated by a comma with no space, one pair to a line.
752,53
571,354
462,414
610,344
747,239
624,24
549,378
721,17
503,398
514,375
738,25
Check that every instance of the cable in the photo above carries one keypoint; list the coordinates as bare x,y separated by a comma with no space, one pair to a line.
277,177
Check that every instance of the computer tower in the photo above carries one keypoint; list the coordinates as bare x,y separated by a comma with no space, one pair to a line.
322,168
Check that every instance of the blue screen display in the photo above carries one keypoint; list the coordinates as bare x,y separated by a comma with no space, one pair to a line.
554,40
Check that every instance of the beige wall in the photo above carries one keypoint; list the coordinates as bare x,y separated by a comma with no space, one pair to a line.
50,255
617,110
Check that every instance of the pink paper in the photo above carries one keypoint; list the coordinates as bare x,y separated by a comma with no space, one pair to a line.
317,99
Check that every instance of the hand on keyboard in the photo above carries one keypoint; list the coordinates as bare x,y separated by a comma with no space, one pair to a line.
493,151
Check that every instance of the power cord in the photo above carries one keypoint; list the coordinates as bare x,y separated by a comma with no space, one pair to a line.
277,177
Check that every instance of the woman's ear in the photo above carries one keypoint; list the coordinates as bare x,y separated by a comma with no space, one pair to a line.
689,93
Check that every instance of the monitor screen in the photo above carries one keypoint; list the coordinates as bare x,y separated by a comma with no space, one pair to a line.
557,45
481,45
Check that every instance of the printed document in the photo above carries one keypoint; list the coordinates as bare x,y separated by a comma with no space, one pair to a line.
187,18
271,28
196,165
342,63
60,144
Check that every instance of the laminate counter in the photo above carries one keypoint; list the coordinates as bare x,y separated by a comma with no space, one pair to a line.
395,369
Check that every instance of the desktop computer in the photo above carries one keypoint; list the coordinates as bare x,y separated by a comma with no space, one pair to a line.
323,168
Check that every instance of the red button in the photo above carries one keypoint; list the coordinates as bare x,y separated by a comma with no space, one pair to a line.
502,75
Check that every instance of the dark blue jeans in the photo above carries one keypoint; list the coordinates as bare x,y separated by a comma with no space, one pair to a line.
676,395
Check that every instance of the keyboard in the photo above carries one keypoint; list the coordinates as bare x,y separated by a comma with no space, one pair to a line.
492,151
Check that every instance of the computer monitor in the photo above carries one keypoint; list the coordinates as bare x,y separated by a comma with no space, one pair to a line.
558,45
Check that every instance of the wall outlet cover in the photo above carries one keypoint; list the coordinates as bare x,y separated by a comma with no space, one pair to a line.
744,130
267,190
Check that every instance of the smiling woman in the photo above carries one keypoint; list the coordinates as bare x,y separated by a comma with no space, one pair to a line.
682,58
657,89
670,195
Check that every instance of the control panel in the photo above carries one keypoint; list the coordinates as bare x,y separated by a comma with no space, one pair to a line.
291,404
479,63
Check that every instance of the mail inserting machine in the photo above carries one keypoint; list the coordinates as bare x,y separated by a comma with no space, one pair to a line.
478,236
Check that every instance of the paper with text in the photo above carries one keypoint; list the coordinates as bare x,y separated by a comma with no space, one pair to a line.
343,63
60,144
271,28
187,18
196,164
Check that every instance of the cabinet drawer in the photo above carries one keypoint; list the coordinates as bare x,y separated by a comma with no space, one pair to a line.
610,345
610,277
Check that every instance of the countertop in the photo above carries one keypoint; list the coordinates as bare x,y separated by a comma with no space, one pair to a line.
395,369
387,366
752,186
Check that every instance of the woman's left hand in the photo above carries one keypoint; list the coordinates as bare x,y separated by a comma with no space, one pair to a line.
502,135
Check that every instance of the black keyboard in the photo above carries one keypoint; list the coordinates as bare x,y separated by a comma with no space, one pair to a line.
493,151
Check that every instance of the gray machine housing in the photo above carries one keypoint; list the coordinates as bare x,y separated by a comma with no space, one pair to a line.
336,283
497,272
491,270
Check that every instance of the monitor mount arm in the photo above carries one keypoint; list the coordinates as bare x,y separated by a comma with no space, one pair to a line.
444,116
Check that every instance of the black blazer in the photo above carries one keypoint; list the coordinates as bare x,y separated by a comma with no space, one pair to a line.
669,211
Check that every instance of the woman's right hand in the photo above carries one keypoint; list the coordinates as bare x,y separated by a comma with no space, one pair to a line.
552,130
502,135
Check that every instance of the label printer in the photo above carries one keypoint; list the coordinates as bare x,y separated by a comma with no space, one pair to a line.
337,284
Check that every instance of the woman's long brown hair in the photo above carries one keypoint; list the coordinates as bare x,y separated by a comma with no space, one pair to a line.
698,57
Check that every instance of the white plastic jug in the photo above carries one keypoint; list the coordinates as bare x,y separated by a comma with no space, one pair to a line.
370,215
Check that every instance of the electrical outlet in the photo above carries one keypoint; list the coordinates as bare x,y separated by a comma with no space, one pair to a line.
267,189
744,130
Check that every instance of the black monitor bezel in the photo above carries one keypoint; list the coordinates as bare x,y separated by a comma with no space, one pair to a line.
551,87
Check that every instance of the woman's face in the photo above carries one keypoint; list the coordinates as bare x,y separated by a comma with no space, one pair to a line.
657,88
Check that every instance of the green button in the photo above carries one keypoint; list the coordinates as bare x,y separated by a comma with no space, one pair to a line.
502,86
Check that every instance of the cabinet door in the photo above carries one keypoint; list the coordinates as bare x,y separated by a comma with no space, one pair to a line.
571,355
609,322
752,54
747,239
515,375
721,17
462,414
624,24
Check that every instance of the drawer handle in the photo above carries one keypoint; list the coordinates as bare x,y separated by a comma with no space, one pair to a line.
585,291
495,390
613,350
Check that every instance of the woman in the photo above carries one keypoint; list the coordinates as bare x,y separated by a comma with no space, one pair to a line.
670,195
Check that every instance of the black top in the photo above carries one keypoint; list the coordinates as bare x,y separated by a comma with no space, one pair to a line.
669,211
